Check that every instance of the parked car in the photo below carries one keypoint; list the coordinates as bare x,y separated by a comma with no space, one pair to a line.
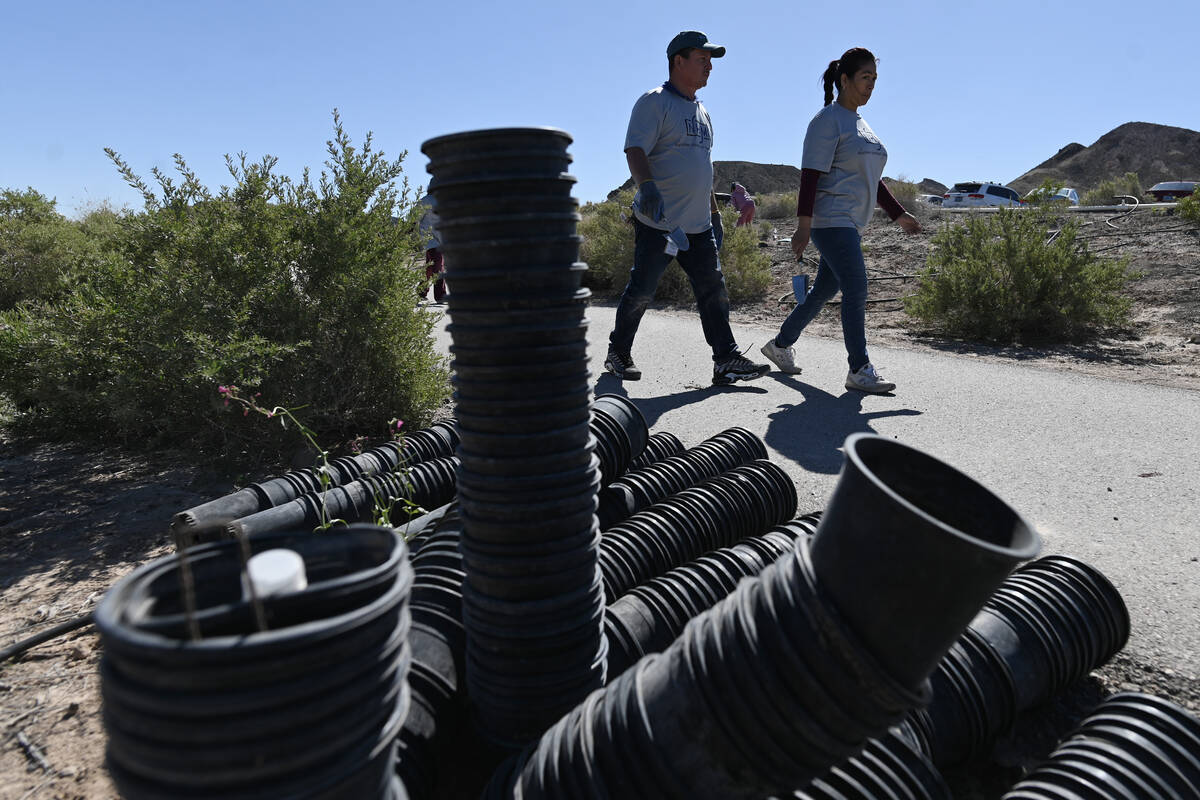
931,199
1170,191
965,195
1064,195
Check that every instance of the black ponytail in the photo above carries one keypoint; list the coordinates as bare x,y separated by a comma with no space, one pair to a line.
850,63
830,79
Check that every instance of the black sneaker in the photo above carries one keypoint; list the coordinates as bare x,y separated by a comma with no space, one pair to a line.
622,366
737,368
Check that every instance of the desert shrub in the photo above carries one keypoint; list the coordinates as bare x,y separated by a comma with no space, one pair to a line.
41,252
1003,277
747,266
780,205
305,294
608,250
1189,207
607,243
1107,191
905,191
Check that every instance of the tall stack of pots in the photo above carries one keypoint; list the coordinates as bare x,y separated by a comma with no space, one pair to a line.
533,601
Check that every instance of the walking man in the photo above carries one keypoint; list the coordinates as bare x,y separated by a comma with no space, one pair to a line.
669,150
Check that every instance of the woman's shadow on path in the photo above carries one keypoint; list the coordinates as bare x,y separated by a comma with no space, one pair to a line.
810,432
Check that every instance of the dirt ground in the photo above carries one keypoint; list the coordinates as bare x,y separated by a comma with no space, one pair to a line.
75,519
1160,347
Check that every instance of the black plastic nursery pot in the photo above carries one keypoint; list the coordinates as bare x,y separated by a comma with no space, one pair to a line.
531,334
939,542
475,295
472,155
491,254
494,354
504,320
483,203
524,224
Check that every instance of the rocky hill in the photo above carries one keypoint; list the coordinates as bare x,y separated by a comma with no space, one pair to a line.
1155,152
757,178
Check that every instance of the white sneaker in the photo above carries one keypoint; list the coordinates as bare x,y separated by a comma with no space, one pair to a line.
866,379
782,357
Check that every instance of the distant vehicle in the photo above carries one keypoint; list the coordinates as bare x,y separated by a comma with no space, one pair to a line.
1170,191
966,195
1064,195
931,199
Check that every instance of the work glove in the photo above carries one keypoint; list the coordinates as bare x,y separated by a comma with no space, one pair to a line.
649,201
718,229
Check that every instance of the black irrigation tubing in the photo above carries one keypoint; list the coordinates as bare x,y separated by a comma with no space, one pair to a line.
1125,234
53,632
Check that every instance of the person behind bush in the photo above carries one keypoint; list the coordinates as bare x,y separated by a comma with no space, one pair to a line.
668,147
742,203
840,181
434,266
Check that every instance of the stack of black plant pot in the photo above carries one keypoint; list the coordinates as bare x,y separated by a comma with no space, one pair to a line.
532,599
796,670
211,692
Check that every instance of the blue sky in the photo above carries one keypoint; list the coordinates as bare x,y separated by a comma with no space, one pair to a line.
967,90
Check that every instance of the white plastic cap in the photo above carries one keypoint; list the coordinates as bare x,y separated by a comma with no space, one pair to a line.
276,572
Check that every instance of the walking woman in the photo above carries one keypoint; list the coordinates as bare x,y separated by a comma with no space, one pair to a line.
840,182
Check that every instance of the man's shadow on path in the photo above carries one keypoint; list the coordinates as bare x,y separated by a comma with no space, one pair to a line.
810,433
654,407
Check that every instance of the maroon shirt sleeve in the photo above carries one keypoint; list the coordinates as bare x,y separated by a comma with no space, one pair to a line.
888,202
808,192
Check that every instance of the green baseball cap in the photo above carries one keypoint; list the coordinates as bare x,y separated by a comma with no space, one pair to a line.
686,39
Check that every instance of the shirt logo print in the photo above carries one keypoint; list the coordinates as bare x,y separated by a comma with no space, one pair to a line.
692,127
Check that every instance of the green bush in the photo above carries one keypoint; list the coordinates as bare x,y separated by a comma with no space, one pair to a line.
41,252
305,294
608,250
1004,277
780,205
747,266
1107,192
1189,207
607,232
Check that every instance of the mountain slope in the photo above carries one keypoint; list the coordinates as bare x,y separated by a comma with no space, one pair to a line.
1155,152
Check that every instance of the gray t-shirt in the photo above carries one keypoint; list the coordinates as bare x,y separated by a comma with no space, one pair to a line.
676,135
840,144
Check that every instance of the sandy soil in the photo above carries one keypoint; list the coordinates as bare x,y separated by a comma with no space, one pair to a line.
73,520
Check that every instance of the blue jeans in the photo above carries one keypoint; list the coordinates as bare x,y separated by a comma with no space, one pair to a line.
703,269
842,266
